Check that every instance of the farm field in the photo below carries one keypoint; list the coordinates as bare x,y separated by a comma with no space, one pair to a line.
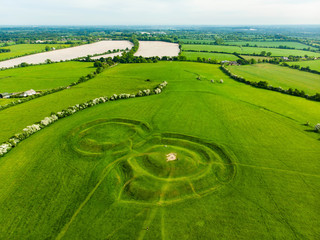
217,56
107,55
295,45
314,65
68,53
43,77
248,50
22,49
103,173
278,76
157,48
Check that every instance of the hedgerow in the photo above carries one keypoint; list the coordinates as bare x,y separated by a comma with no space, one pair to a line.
31,129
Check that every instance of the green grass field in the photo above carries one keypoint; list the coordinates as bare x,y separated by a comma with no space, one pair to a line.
278,76
295,45
217,56
23,49
314,65
5,101
255,57
43,77
248,50
247,167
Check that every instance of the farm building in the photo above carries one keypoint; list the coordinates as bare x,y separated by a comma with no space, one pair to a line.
28,93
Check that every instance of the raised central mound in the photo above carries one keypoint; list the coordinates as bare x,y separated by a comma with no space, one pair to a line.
154,168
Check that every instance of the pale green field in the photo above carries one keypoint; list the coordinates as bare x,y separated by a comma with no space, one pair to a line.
248,168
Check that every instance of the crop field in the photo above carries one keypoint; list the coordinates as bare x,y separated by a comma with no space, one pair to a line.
172,166
107,55
276,44
217,56
157,48
23,49
248,50
278,76
43,77
68,53
314,65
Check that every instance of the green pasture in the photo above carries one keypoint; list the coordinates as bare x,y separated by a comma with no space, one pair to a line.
246,167
43,77
275,44
248,50
24,49
4,101
217,56
278,76
257,58
314,64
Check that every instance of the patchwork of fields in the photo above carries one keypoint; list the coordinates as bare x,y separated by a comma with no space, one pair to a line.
217,56
247,166
23,49
68,53
248,50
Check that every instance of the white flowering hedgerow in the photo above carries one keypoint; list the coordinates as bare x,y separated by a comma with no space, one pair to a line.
29,130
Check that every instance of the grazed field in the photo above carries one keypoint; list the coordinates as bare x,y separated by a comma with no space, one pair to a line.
43,76
22,49
157,48
68,53
248,50
217,56
103,174
278,76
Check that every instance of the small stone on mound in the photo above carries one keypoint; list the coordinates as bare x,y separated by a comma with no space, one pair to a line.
171,157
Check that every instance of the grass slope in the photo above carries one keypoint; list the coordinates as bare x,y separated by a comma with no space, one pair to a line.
217,56
23,49
278,76
43,77
248,50
65,182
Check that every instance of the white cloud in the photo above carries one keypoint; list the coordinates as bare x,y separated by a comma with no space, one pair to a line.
210,12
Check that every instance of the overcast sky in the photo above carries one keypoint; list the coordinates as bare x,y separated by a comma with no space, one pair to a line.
159,12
